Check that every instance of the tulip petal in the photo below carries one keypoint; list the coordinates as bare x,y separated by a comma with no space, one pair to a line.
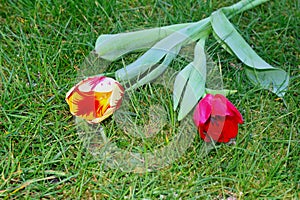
234,112
230,130
104,85
231,110
214,127
90,83
203,135
219,106
116,95
203,110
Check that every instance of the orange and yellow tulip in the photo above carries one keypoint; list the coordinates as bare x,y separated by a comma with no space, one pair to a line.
95,98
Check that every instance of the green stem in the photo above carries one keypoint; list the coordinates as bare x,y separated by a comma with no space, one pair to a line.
241,6
202,27
229,11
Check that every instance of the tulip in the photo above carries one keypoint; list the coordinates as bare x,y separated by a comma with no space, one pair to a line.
95,98
217,118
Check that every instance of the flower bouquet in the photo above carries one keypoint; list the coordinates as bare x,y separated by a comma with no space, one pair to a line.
177,99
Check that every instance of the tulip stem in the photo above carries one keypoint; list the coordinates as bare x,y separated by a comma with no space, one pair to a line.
241,6
108,74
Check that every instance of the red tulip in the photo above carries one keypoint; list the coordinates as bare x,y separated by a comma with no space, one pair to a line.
95,98
217,118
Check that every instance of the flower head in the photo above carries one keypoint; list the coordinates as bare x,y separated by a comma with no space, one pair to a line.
217,118
95,98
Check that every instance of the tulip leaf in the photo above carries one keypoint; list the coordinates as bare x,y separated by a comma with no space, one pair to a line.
113,46
141,65
265,74
222,43
161,48
180,83
195,86
265,79
155,73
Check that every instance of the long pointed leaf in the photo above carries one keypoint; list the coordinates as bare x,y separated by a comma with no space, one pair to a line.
161,48
195,87
180,83
113,46
155,73
222,43
276,78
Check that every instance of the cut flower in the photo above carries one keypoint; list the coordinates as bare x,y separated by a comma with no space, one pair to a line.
95,98
217,118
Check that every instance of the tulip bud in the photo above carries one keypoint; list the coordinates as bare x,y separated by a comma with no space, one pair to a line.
217,118
95,98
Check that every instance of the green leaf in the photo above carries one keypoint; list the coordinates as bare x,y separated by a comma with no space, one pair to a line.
222,43
113,46
180,83
275,80
195,87
161,48
265,74
155,73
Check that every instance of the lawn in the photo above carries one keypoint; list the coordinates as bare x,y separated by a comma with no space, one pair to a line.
43,44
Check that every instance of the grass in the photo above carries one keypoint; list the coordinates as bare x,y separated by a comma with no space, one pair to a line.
43,157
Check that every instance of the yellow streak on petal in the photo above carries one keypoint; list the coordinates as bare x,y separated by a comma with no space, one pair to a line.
103,99
71,101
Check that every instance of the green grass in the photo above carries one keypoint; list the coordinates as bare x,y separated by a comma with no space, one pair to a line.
43,157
